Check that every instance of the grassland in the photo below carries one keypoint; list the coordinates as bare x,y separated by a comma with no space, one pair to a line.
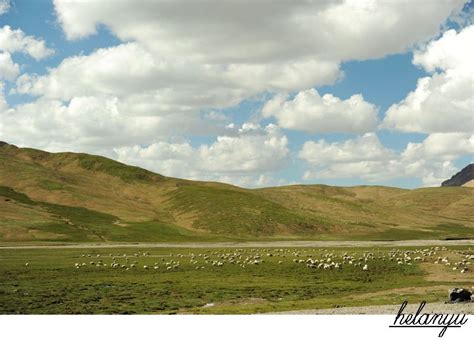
69,198
72,281
74,198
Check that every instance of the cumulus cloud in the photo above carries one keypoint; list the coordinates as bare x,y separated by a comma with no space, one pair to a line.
179,52
13,41
243,158
361,157
176,67
9,70
179,59
16,41
92,124
4,6
175,91
309,111
366,147
253,150
175,83
366,158
167,158
262,30
441,146
3,101
444,101
433,158
431,174
434,176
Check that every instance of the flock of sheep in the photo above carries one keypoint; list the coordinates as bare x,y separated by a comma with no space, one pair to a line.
462,265
312,258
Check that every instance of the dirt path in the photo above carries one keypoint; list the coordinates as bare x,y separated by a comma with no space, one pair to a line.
431,308
283,243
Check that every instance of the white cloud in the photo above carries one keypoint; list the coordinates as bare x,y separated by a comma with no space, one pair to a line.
3,101
178,82
4,6
450,51
243,159
176,57
262,31
83,123
92,124
167,158
309,111
9,70
367,170
443,102
176,60
243,156
366,147
180,159
366,158
175,63
434,177
431,174
361,157
432,159
441,146
16,41
176,92
180,51
286,76
254,150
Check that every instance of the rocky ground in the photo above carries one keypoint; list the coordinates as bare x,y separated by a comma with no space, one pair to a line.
440,307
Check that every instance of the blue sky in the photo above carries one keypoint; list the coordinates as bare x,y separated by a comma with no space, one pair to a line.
162,88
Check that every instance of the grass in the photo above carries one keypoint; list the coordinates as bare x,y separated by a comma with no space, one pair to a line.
71,197
156,231
51,185
243,213
125,172
442,231
78,224
52,285
218,215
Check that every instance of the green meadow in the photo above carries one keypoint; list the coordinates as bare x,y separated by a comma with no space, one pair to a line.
73,199
180,281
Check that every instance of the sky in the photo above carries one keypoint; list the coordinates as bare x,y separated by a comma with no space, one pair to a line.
254,93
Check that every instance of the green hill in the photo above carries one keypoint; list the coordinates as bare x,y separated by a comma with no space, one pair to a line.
71,197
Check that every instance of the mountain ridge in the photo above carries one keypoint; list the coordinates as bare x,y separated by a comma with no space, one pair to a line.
67,197
464,177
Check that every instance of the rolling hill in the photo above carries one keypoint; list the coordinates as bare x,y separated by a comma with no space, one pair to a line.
72,197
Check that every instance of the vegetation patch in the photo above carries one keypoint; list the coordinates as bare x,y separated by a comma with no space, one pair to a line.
218,281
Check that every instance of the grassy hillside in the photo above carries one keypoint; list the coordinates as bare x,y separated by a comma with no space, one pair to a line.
69,197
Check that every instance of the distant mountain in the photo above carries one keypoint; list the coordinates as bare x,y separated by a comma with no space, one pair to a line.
73,197
463,178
